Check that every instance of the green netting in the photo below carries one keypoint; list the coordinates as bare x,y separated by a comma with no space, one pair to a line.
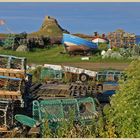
48,110
104,75
86,108
50,73
50,102
36,111
70,107
55,110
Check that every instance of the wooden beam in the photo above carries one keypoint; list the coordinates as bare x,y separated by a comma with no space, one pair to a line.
10,93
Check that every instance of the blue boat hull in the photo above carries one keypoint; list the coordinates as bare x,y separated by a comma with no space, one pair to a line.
74,43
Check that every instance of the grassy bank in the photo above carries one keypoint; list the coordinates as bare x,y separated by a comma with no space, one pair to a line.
53,55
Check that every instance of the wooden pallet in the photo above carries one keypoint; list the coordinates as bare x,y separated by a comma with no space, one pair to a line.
9,133
10,95
14,73
61,90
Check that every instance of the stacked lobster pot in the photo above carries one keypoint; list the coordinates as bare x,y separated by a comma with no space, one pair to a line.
56,111
12,89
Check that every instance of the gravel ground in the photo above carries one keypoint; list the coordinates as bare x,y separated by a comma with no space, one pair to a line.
98,66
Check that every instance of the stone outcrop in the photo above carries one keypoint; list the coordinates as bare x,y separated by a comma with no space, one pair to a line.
22,48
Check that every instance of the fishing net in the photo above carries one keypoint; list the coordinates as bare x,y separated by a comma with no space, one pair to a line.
9,84
48,110
3,62
86,108
15,63
7,61
6,117
70,108
36,111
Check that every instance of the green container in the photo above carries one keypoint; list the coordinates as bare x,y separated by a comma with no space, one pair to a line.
51,74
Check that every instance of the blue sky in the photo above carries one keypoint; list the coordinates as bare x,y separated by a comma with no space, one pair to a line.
75,17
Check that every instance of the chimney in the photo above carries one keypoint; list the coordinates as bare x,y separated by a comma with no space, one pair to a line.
103,35
95,33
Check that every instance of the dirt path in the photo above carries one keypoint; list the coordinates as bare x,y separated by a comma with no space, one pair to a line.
98,66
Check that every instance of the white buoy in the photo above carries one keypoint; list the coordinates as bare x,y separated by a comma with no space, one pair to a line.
103,52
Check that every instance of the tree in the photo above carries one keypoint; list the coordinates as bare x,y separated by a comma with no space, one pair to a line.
124,114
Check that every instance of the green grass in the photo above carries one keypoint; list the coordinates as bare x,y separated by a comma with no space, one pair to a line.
52,55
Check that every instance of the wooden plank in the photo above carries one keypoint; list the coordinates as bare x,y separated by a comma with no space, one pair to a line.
12,72
35,91
63,93
3,129
67,92
43,91
10,97
12,75
35,86
59,91
34,130
10,133
48,91
12,93
62,86
54,92
2,96
6,70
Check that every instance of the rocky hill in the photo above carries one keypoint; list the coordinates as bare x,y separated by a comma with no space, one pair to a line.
50,27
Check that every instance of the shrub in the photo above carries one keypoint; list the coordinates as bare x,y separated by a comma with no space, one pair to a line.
36,74
103,46
123,114
115,49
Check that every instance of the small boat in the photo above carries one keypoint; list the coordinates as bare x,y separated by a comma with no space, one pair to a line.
73,43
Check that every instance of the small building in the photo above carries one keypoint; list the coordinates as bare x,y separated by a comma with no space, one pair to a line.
120,38
99,38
